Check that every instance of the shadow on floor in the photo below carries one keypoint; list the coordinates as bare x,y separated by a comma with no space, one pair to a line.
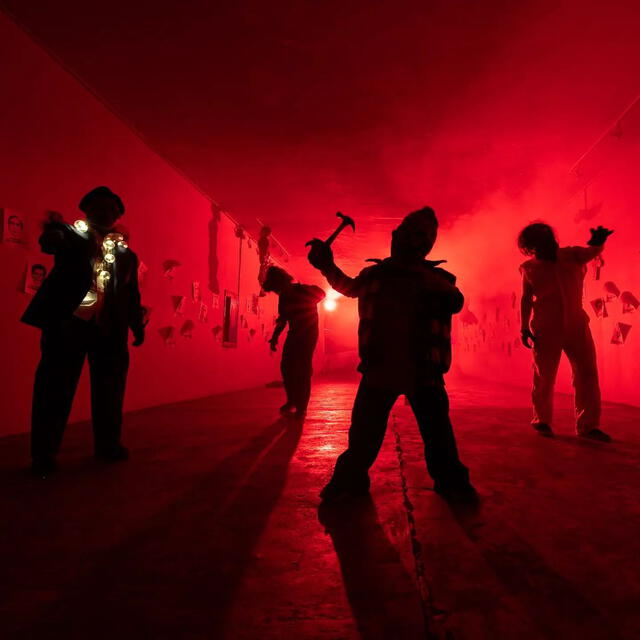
190,557
384,598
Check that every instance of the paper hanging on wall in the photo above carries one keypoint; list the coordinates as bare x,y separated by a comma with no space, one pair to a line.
620,333
13,228
598,263
169,268
195,291
186,330
611,291
179,304
203,313
168,335
142,273
35,274
599,308
629,302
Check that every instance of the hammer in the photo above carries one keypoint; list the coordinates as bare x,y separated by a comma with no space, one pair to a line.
346,222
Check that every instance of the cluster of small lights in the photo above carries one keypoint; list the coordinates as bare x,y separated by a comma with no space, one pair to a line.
330,301
109,245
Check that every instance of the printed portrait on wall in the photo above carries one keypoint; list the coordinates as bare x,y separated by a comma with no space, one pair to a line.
35,274
13,228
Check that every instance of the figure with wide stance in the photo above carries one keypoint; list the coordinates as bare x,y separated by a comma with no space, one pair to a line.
298,308
405,305
553,321
84,308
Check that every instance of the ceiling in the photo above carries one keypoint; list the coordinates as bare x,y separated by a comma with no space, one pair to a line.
292,109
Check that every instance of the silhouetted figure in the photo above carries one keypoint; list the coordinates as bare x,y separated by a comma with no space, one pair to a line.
85,307
297,307
552,283
405,304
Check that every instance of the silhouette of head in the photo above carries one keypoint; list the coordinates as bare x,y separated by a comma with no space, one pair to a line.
416,235
276,280
538,239
102,207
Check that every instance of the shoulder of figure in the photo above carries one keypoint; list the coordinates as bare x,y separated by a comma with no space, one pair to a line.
444,273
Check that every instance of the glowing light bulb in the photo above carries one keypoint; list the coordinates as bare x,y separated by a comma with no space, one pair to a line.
105,275
330,304
81,226
109,257
108,244
122,244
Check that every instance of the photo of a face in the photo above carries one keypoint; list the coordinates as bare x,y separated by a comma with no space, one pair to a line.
34,277
13,228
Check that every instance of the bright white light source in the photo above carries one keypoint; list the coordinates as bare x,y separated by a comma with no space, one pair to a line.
109,257
81,225
330,304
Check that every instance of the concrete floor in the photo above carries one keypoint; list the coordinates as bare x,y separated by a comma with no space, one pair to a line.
212,529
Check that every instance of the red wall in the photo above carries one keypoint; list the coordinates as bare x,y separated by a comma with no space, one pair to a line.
482,251
58,141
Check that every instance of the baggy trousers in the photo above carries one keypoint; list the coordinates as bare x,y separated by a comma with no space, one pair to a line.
296,367
64,350
577,343
430,405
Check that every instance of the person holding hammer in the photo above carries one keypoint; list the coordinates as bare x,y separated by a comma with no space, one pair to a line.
405,305
298,308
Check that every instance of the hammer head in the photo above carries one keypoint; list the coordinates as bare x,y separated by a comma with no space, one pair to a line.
346,220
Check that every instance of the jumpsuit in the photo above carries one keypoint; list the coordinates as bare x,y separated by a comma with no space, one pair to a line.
560,324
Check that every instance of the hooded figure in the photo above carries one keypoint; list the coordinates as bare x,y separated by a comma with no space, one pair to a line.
405,305
298,308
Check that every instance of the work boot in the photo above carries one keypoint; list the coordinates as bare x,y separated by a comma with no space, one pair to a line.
543,429
117,453
336,490
43,467
596,434
464,493
288,407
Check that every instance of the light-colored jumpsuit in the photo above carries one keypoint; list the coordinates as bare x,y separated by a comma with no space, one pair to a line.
560,323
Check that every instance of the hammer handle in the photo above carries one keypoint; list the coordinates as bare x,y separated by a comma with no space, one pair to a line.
336,233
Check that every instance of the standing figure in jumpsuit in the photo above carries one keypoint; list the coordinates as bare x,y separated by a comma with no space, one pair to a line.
405,304
554,321
297,307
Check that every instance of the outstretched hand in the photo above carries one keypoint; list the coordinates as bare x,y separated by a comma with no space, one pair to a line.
599,236
320,255
527,338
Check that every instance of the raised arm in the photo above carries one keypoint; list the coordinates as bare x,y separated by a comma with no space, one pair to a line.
595,244
53,238
321,257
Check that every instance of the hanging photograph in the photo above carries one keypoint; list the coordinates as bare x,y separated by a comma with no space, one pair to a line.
35,274
13,228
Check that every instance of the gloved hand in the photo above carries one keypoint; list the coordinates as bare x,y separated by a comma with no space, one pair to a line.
320,255
138,337
599,236
527,338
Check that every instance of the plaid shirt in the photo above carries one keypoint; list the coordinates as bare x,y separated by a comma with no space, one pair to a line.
405,312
